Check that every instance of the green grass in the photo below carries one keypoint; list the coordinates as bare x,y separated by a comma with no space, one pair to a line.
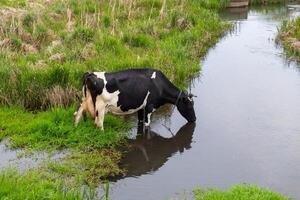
268,2
44,49
265,2
289,35
238,192
214,4
54,129
91,156
91,167
36,185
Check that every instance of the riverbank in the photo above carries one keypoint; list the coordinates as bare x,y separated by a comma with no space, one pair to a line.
269,2
288,36
238,192
43,185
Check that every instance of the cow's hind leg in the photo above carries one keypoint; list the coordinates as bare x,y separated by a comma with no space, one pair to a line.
81,111
100,112
84,116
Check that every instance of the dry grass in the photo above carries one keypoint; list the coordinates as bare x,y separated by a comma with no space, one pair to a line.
58,96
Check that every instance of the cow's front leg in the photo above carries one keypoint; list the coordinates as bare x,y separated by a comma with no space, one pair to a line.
141,117
100,112
148,112
144,119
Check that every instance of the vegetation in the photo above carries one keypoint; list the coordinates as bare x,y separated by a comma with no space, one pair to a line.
238,192
266,2
34,185
45,48
91,157
289,36
213,4
54,130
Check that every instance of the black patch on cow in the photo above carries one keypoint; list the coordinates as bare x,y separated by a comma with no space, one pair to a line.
111,85
95,86
133,87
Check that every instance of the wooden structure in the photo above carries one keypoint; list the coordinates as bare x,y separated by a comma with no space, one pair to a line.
238,3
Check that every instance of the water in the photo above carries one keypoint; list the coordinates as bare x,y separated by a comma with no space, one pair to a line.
17,158
247,128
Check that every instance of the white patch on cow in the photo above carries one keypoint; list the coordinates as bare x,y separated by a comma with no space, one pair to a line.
149,119
112,106
153,75
101,76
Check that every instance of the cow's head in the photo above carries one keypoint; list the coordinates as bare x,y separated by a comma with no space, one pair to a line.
185,106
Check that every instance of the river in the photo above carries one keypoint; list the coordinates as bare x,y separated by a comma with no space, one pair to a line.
247,129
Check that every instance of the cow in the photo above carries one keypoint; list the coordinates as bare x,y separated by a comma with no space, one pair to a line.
129,91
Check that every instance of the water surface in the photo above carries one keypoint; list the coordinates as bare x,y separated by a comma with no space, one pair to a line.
247,129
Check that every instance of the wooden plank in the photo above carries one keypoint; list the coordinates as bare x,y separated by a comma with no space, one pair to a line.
238,3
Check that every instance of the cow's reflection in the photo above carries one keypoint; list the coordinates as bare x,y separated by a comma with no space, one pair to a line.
149,151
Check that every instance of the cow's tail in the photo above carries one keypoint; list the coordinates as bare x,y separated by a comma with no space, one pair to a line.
84,79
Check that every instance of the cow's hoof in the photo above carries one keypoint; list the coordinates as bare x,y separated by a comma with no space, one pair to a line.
100,127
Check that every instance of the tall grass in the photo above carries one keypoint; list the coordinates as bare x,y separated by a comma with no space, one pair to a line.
46,48
214,4
289,36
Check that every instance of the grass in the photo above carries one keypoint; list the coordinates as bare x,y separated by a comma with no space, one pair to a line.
268,2
238,192
214,4
32,186
54,130
36,185
91,156
289,36
90,168
45,47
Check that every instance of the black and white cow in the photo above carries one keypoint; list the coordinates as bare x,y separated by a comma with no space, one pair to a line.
130,91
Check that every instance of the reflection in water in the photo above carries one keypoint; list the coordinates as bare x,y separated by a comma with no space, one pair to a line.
149,151
235,13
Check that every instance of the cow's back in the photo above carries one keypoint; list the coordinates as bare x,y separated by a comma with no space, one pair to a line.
134,86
